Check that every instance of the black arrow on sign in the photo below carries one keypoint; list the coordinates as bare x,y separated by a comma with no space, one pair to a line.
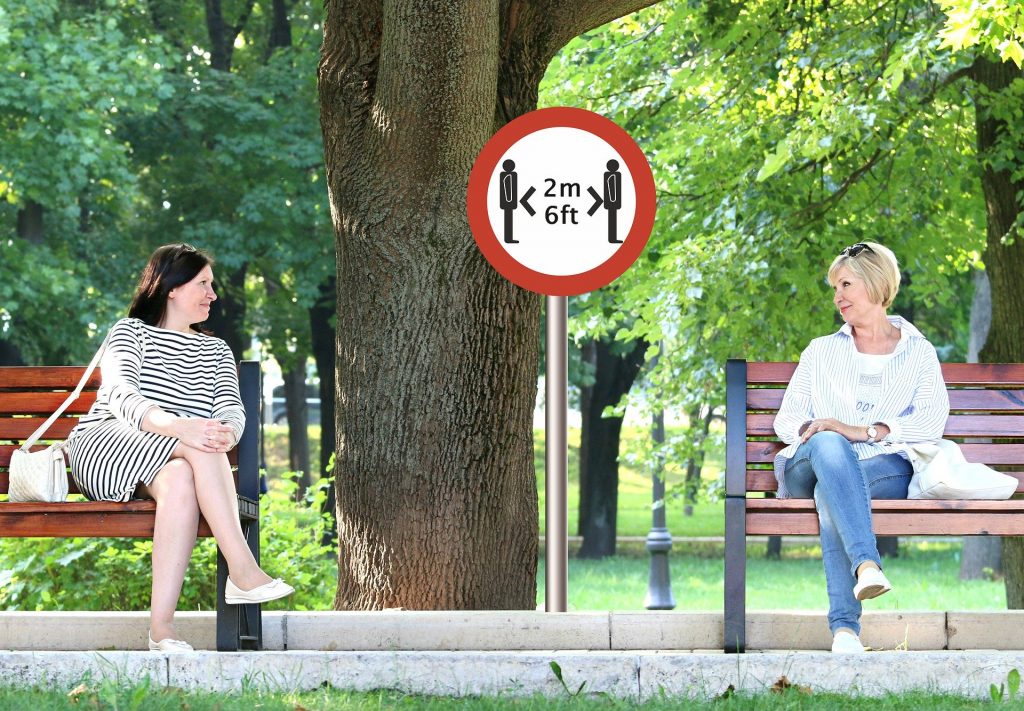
525,202
597,202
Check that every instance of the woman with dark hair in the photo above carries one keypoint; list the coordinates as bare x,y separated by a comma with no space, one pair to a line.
166,414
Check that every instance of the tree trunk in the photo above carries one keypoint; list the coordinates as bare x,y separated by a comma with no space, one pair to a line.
437,353
298,425
695,462
981,557
599,445
322,332
30,222
1004,262
227,316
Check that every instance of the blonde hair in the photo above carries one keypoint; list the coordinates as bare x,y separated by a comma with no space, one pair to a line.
876,266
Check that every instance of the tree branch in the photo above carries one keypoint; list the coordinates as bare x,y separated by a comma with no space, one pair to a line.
571,18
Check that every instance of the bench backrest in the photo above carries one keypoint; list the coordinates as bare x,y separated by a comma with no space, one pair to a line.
986,416
29,395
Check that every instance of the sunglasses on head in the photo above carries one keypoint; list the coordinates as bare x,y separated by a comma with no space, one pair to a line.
854,249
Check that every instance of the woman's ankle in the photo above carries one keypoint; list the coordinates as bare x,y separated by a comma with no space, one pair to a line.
867,564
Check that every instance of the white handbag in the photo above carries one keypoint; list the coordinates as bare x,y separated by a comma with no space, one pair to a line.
42,475
942,472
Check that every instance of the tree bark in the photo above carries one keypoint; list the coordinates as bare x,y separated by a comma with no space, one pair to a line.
437,354
599,445
30,222
298,426
981,557
321,328
1004,263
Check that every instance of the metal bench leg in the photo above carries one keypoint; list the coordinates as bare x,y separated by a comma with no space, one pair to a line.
227,615
735,574
238,626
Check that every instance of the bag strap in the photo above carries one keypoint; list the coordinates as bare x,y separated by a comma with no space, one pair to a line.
27,444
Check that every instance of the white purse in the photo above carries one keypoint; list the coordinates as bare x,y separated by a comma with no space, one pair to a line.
42,476
942,472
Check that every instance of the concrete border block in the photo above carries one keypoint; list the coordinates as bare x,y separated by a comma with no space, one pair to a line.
795,629
871,674
666,630
431,673
985,630
67,669
447,630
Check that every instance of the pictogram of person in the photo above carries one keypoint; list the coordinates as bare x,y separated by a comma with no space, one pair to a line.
509,196
612,198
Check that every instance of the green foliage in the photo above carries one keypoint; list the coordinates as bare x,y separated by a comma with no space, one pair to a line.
115,123
778,134
995,26
115,574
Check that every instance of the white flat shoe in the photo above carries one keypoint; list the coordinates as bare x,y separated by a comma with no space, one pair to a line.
846,642
871,583
169,645
275,589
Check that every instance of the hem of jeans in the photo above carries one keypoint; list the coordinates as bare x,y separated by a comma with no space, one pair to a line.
855,626
877,560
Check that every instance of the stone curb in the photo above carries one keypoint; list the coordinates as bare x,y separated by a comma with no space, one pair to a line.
521,630
634,676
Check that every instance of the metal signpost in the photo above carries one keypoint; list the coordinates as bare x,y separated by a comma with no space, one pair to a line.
561,202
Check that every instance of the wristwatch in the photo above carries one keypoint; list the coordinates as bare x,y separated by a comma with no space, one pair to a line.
872,434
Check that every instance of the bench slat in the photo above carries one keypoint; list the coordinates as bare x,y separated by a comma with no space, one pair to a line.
764,480
43,403
991,454
61,376
20,428
996,374
898,524
971,400
956,426
106,519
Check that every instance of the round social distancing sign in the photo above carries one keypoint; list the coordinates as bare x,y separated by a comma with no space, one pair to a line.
561,201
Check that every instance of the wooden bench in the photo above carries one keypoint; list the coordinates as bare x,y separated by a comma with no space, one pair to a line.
28,395
986,417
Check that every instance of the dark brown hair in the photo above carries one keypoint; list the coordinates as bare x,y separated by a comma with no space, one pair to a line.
171,266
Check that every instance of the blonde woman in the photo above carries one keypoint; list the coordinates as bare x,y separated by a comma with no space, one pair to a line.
857,399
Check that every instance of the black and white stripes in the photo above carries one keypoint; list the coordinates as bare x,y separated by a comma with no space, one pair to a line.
914,404
189,375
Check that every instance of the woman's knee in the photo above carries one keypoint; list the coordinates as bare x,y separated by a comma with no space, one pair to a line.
828,444
176,480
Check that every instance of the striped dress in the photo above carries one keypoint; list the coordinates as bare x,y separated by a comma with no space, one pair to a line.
188,375
914,404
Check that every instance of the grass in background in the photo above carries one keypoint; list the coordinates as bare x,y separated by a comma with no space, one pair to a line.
925,576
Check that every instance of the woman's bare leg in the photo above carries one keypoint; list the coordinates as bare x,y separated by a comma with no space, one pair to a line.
217,497
174,537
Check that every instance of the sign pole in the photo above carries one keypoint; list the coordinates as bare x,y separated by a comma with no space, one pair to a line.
561,201
556,457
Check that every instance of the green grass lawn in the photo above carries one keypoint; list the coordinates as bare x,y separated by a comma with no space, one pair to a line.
106,695
925,576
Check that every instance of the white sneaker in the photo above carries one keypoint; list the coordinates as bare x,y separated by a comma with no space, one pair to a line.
871,583
846,642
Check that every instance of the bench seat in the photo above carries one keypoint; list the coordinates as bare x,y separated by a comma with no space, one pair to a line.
29,394
986,418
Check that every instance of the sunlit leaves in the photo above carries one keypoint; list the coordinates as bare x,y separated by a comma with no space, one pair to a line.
996,26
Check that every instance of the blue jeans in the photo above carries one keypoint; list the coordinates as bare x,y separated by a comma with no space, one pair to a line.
826,468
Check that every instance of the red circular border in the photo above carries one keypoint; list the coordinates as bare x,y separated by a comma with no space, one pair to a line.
567,284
